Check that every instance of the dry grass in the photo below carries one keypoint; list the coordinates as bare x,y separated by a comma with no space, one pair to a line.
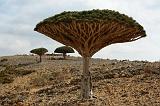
57,82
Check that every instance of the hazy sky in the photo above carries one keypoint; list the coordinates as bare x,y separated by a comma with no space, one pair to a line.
19,17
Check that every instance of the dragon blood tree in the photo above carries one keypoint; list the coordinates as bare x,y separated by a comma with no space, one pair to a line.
88,32
64,50
40,52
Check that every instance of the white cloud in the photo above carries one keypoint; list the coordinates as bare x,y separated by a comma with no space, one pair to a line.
13,45
146,12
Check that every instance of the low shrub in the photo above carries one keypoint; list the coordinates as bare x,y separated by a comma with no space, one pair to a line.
6,79
22,72
3,60
52,58
8,75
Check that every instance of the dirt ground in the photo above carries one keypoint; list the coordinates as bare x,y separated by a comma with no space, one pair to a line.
56,82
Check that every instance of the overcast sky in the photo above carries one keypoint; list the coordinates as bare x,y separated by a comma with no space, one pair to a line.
19,17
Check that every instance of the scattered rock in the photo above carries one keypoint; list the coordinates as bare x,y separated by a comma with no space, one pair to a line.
75,72
57,83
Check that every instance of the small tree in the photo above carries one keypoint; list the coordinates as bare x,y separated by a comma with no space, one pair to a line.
40,52
64,50
88,32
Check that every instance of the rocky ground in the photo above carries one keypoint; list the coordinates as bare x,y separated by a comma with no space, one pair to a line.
55,82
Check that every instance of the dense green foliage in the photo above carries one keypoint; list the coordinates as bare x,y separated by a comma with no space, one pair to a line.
39,51
64,49
93,15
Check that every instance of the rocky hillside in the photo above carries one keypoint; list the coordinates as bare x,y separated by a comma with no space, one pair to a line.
56,82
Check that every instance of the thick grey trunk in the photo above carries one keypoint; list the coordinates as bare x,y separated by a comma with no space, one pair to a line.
86,79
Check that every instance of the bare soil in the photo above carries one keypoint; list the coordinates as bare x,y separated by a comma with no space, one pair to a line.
56,82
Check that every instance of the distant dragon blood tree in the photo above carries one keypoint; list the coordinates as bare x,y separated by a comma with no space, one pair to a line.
88,32
40,52
64,50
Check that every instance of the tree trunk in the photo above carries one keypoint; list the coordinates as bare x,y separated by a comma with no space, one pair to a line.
86,80
64,56
40,57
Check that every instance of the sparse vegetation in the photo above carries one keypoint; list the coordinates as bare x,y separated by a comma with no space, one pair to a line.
40,52
114,82
64,50
3,60
10,72
5,78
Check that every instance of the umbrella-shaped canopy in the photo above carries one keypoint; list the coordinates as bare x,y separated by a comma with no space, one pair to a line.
64,49
90,31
